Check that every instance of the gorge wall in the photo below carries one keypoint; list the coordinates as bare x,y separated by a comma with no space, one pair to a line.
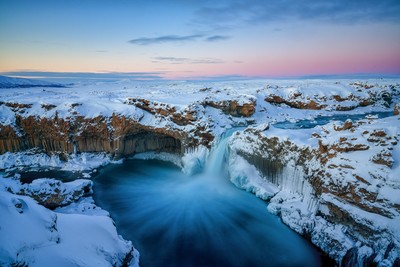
170,130
335,184
117,135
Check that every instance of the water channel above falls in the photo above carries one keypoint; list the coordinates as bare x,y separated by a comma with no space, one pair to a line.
201,220
322,120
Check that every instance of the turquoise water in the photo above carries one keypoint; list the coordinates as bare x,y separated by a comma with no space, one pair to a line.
322,120
202,220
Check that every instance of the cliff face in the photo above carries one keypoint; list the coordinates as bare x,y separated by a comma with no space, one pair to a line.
339,188
148,125
117,135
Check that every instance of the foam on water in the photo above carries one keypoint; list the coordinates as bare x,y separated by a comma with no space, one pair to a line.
201,220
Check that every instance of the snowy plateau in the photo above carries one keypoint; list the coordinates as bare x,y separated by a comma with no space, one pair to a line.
324,154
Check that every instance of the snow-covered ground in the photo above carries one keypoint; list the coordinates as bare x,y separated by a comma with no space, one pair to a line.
80,234
264,160
91,99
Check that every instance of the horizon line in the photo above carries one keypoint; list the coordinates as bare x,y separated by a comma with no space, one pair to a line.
157,76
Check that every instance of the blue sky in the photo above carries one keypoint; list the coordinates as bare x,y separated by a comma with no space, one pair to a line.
189,39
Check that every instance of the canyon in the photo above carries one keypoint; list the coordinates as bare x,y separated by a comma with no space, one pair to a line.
335,184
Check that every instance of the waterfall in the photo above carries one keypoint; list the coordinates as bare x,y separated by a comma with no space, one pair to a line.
216,160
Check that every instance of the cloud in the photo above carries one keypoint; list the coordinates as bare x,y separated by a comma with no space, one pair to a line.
177,38
215,38
183,60
172,60
165,39
242,12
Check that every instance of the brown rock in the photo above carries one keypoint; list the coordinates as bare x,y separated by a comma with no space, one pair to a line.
164,110
232,107
117,135
384,157
308,104
346,126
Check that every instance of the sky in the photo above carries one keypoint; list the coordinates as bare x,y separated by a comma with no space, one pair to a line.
195,39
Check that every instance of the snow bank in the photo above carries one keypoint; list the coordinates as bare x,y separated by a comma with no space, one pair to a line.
35,236
50,193
76,162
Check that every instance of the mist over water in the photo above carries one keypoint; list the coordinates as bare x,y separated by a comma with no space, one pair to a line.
202,220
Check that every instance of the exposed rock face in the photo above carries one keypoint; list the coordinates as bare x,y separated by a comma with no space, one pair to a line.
300,104
233,107
340,192
118,135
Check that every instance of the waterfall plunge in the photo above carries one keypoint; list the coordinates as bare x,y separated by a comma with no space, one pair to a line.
199,220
